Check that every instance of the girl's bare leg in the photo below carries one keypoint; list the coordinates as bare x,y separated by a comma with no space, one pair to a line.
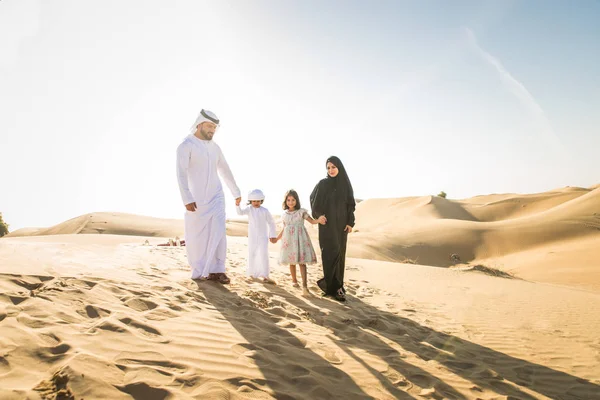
293,274
304,279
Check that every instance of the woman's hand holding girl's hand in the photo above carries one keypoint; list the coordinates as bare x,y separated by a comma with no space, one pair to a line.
348,229
322,220
273,240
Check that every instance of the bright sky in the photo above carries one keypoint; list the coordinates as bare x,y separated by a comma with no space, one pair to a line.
469,97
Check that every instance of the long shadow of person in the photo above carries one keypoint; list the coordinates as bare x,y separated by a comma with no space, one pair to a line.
291,370
484,367
349,334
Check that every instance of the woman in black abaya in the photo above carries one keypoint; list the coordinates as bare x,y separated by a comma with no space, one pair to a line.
333,197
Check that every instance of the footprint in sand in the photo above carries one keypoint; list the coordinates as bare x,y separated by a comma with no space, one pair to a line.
396,379
149,359
18,298
175,307
332,357
4,365
286,324
27,285
94,312
141,390
60,349
212,390
145,330
52,353
244,349
27,320
157,270
364,291
84,284
140,304
106,326
49,339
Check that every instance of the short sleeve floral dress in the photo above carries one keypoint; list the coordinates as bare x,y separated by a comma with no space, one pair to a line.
296,246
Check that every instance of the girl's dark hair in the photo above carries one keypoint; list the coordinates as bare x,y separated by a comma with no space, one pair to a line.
250,202
294,194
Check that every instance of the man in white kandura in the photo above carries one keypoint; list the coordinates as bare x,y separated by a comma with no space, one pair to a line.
200,161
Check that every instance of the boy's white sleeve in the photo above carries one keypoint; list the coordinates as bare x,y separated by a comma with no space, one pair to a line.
241,211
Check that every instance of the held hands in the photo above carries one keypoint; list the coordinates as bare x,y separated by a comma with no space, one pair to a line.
273,240
348,229
238,201
322,220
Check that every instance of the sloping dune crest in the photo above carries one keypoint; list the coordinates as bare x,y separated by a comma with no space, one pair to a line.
110,223
418,230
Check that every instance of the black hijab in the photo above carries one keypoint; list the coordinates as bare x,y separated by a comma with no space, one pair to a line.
340,183
339,186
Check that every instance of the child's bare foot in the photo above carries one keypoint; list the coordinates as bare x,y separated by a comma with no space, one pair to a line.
305,291
295,284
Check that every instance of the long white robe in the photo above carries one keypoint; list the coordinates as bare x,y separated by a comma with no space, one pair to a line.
199,164
261,227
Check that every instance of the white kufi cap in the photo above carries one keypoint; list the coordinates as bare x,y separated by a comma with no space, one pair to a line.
256,194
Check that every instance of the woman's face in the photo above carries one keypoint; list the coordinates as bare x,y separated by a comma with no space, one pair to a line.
332,170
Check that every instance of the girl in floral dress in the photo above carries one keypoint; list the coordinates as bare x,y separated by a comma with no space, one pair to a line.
296,247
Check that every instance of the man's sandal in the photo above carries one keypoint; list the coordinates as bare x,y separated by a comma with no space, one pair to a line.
222,278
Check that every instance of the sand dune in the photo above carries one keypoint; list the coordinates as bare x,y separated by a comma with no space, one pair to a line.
110,223
515,206
479,230
534,236
105,316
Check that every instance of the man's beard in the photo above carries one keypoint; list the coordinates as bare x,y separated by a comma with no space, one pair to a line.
207,135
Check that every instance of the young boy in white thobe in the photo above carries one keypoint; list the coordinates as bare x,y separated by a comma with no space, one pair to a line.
261,230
